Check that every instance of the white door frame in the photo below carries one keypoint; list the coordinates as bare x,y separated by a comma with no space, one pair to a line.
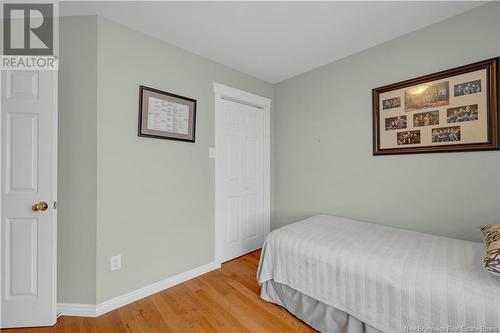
223,92
54,175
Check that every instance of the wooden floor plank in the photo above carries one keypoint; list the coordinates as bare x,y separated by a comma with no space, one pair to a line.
110,322
224,300
225,321
278,312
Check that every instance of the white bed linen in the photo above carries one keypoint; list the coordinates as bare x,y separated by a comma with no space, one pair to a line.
392,279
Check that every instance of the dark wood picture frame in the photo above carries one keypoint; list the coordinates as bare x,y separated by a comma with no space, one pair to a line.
493,143
143,131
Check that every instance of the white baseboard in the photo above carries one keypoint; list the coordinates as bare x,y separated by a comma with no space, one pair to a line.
80,310
90,310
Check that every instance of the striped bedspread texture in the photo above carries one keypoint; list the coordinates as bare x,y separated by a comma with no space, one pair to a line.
392,279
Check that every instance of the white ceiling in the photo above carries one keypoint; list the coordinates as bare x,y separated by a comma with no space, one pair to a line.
273,41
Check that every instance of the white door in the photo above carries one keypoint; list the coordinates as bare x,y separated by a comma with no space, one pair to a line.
28,192
241,207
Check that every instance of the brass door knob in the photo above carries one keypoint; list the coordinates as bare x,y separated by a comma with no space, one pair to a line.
41,206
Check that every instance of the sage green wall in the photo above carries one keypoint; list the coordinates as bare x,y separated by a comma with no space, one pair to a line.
77,176
155,197
323,159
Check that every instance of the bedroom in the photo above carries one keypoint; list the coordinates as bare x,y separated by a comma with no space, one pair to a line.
140,227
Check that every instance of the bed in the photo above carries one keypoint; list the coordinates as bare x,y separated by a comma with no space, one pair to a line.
341,275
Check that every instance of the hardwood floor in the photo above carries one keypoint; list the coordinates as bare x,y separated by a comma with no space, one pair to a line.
224,300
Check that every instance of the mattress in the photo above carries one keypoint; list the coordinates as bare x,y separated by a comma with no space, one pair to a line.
391,279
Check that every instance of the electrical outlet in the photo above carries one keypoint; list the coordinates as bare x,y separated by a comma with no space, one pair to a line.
116,262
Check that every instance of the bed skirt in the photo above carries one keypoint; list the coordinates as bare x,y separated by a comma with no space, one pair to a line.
320,316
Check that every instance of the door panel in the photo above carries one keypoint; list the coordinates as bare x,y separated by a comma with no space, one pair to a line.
252,159
22,85
252,217
233,214
28,164
21,245
22,152
233,161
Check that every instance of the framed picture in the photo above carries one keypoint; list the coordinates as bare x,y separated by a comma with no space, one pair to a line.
163,115
449,111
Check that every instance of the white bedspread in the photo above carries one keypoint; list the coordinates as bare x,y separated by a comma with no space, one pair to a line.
394,280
